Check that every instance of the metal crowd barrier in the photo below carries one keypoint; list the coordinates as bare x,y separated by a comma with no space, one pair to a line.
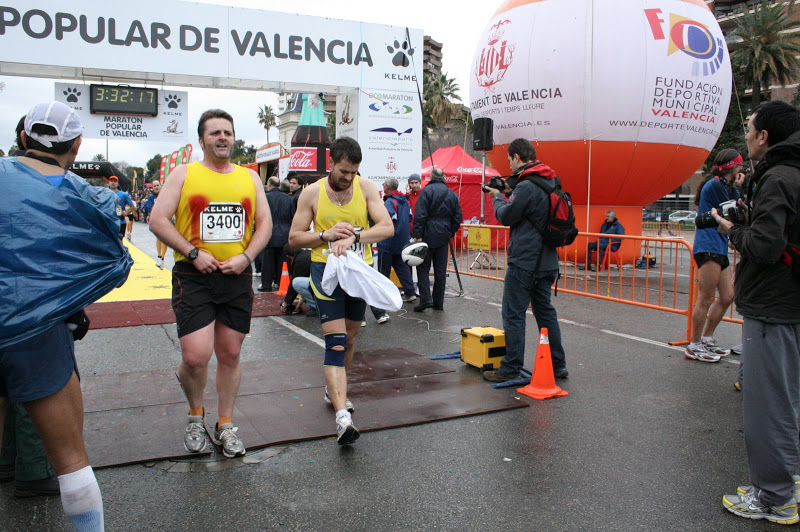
653,272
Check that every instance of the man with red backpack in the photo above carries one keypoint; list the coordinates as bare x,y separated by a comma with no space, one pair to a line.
532,263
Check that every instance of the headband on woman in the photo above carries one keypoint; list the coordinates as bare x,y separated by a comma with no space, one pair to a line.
730,164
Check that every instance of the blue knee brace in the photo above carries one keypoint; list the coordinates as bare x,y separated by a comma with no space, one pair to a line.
334,357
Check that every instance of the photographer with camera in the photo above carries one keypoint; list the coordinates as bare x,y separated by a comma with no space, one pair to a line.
532,265
711,256
766,292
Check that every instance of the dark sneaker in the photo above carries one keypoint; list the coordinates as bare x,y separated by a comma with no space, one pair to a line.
6,473
423,306
36,488
561,373
439,308
495,376
409,299
749,506
346,432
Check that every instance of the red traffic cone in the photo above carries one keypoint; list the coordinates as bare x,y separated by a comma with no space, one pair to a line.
543,382
283,288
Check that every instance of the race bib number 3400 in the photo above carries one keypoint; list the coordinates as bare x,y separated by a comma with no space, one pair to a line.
222,222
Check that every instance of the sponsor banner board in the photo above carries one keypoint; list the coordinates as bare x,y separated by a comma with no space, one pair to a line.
171,40
170,124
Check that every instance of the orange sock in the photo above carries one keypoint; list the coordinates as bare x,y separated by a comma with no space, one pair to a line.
223,420
196,411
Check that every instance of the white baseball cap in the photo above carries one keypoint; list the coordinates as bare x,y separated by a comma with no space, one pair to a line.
59,116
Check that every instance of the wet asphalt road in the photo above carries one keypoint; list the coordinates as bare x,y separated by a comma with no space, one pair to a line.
646,440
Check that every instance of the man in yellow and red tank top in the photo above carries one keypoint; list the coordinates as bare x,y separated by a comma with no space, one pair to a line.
214,203
340,207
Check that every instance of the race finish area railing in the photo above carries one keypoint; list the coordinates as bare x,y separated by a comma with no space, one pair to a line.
645,271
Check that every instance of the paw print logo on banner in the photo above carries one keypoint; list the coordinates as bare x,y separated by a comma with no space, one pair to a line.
72,94
172,101
402,53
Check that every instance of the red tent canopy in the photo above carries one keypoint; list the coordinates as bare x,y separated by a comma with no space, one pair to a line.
463,176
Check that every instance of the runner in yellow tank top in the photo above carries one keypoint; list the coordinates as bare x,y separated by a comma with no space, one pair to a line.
215,203
338,205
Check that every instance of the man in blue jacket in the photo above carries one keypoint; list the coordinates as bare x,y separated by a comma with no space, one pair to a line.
437,217
280,205
611,227
532,265
389,250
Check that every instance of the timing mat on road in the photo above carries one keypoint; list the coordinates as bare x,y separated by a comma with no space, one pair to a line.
141,417
159,311
144,299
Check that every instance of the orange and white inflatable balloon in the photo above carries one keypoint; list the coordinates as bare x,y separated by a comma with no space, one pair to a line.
623,99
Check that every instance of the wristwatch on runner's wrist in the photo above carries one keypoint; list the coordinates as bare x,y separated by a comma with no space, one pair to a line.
193,253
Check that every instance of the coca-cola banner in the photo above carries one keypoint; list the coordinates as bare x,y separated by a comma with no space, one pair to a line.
303,159
166,41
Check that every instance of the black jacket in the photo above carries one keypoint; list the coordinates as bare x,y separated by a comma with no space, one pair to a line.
280,206
528,208
437,215
764,286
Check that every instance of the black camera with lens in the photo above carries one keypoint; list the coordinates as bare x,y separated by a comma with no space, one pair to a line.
729,210
497,183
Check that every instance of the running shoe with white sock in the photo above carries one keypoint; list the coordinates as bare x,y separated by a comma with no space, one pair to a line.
712,347
699,352
748,505
741,490
128,236
195,438
347,402
160,263
346,432
225,436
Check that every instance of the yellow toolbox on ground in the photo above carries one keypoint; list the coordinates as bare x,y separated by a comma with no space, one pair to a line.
483,347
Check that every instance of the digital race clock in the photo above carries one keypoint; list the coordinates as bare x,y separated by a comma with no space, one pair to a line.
123,100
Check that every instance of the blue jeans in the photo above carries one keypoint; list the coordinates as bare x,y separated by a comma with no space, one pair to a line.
593,247
301,286
521,288
387,261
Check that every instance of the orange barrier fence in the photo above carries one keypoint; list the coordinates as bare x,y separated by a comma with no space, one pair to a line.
665,229
645,271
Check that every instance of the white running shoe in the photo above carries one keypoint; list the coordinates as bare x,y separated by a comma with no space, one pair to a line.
160,263
225,436
712,347
348,404
383,319
701,354
128,236
346,432
194,440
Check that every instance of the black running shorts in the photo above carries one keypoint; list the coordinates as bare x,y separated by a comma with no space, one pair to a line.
702,258
337,305
201,298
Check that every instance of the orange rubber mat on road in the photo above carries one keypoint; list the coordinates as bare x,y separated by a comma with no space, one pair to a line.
114,314
140,417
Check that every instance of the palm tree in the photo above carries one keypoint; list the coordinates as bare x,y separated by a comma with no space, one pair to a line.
767,52
267,118
439,95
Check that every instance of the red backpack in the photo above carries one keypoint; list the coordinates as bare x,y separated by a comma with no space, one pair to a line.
559,229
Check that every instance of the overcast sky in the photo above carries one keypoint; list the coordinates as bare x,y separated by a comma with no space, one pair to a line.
457,25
